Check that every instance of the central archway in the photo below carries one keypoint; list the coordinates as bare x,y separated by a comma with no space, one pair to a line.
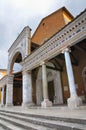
15,69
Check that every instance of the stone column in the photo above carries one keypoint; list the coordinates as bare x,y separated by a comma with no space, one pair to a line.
2,97
9,91
74,101
27,89
58,89
39,91
46,102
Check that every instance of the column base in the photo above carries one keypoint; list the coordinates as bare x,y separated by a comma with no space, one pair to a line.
46,103
28,104
1,105
74,102
9,105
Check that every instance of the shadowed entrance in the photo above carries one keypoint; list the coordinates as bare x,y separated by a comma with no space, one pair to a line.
51,91
17,89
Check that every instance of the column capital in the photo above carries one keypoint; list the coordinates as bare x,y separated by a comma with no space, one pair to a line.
25,71
66,50
42,63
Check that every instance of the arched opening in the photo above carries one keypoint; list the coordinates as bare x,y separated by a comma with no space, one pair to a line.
17,81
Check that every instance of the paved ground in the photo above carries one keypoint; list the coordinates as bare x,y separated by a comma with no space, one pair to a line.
61,111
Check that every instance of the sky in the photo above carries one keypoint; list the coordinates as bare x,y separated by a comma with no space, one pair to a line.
16,14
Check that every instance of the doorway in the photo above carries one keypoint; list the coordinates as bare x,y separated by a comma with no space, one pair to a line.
17,89
51,92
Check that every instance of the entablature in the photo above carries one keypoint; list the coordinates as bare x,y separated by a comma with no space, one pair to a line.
67,37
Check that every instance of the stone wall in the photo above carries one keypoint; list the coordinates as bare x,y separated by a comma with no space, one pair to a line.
48,27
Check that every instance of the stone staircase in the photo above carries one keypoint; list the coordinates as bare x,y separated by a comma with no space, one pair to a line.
10,120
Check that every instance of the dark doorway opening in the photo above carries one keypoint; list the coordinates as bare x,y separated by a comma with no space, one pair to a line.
4,95
51,92
17,89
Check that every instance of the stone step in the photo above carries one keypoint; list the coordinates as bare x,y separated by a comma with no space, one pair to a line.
65,119
5,125
50,124
10,123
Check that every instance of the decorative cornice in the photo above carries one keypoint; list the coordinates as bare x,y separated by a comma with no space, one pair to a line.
66,50
67,37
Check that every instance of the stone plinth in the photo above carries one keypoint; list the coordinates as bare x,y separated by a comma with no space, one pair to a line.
27,104
74,102
46,103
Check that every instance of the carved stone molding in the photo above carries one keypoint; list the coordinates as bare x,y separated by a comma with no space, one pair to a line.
67,37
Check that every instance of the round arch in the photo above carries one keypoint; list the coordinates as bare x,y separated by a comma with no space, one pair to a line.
13,58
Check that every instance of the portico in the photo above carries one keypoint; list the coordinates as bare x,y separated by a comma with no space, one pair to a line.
54,58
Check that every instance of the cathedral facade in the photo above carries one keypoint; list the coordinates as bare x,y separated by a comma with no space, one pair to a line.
53,63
